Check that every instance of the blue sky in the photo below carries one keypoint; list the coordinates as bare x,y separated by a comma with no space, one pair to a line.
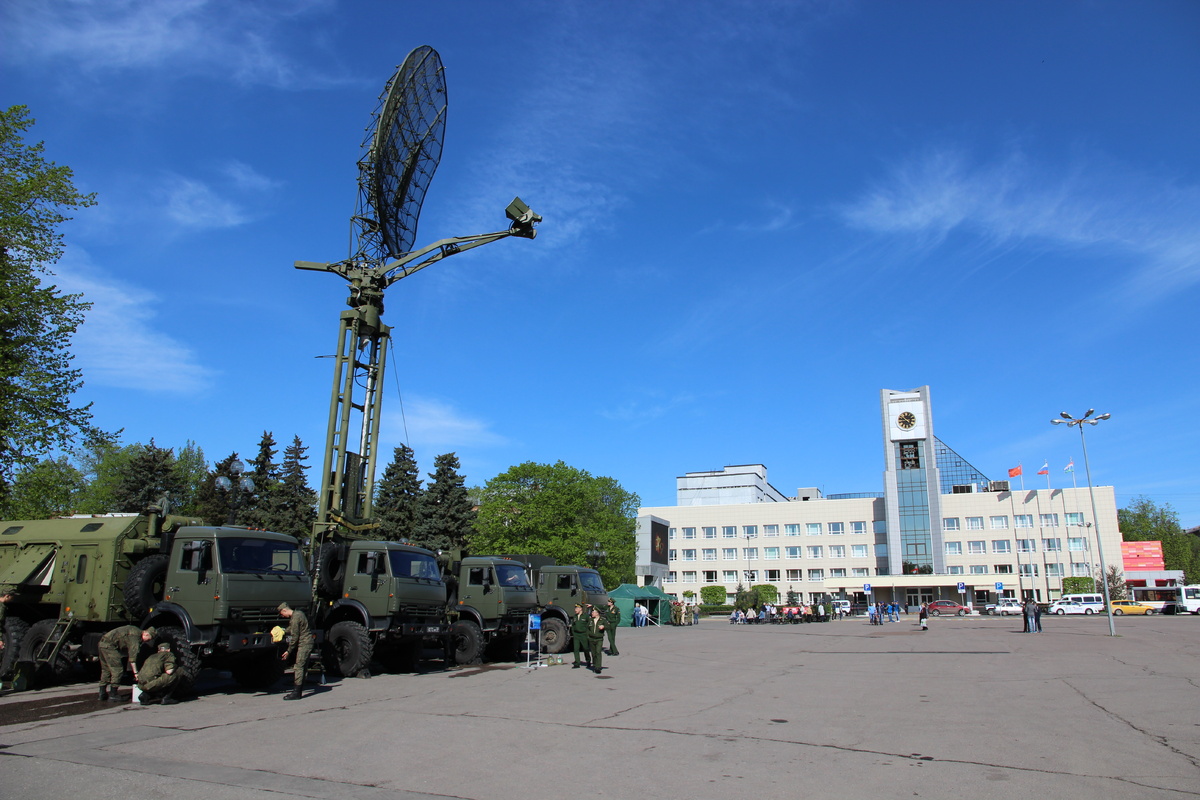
757,215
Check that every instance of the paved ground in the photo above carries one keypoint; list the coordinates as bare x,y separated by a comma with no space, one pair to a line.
972,708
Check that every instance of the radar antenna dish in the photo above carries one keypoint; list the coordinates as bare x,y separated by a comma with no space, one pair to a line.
403,152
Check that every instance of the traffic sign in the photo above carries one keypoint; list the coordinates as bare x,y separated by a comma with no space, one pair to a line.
962,588
867,588
999,587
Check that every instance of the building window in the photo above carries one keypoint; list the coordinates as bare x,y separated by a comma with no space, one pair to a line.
998,523
791,530
956,569
771,553
860,572
1002,569
795,574
1049,520
837,528
1029,570
814,551
979,569
858,550
858,527
950,523
670,533
770,530
729,531
954,548
689,555
974,523
1023,520
689,576
879,525
813,528
689,533
1001,546
975,548
710,576
1026,545
670,578
709,554
816,574
750,553
772,575
729,576
710,533
881,550
750,531
792,552
1054,570
910,457
1074,519
837,551
672,555
751,576
1077,544
837,573
729,553
1079,570
1052,545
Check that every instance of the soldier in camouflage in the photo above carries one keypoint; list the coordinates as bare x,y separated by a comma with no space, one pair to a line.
300,642
127,638
158,677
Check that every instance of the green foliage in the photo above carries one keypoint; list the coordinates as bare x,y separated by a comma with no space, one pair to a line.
713,595
211,505
1143,520
745,599
1078,585
689,594
265,473
1116,585
397,502
104,464
191,470
446,512
767,593
559,511
290,505
48,489
149,475
37,321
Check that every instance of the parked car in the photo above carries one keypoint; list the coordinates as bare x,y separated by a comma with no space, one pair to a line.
1061,607
1120,607
939,607
1004,607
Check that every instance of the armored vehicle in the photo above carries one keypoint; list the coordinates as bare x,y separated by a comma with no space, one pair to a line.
559,588
382,600
212,592
490,600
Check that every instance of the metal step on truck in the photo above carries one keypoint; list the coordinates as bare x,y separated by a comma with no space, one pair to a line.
559,587
211,591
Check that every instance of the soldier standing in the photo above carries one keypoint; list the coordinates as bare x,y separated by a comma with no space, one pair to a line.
128,638
579,637
612,618
158,677
299,640
596,640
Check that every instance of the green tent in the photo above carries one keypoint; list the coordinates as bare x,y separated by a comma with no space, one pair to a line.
656,601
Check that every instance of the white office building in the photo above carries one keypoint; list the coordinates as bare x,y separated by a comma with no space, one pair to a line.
939,529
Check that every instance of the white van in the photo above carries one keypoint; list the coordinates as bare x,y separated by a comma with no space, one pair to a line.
1090,602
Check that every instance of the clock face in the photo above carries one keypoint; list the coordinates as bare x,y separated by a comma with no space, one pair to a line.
906,420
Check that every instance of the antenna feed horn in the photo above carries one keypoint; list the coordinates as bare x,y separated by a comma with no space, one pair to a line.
523,219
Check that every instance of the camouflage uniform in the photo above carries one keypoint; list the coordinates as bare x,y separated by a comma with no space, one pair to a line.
112,666
300,642
158,677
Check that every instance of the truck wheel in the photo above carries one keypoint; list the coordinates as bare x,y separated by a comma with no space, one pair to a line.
349,646
145,584
555,637
47,674
260,671
187,662
15,630
468,642
510,648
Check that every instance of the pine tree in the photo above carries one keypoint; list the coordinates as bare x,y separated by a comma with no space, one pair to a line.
150,475
398,496
265,473
446,510
212,505
290,507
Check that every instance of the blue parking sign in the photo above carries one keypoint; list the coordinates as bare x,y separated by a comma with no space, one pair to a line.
867,588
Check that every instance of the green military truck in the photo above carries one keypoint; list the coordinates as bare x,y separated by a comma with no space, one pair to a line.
490,600
559,588
212,592
381,600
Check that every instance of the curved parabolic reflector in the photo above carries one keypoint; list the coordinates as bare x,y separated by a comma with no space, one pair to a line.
408,147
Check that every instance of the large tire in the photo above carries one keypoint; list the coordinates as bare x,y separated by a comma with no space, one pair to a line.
468,642
59,671
555,636
349,648
145,584
331,570
187,661
15,630
260,671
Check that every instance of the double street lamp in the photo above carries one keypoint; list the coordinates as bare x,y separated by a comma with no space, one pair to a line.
237,488
596,556
1088,419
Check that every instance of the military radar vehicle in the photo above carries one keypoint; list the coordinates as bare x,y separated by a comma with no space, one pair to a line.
212,592
559,588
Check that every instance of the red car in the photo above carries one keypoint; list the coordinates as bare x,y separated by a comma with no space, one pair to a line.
939,607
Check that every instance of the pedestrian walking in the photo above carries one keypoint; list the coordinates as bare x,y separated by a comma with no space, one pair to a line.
299,643
923,616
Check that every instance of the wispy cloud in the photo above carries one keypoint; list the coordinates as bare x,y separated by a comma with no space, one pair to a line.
1010,202
437,426
194,204
646,409
123,342
238,39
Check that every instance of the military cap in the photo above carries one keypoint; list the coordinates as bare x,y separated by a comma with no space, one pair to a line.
164,646
153,631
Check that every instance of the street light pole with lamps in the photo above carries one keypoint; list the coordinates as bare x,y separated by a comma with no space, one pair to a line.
1070,421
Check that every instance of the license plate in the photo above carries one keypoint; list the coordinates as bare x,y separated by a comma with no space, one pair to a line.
433,628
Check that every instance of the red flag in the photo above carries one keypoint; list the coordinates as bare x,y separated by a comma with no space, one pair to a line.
1015,471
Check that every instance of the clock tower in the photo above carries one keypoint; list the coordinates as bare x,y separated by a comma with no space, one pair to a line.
911,483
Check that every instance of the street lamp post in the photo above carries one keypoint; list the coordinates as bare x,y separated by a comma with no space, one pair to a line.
236,488
1070,421
596,555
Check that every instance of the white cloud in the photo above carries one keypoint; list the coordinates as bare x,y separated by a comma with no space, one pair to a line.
436,426
194,204
641,410
121,343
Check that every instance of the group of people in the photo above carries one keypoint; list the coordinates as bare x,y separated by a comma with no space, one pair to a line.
886,612
641,615
1032,614
685,613
769,613
589,626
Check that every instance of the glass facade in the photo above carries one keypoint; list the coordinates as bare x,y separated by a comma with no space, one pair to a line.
916,538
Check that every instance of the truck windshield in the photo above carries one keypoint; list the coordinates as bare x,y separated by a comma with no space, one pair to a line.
247,554
413,565
590,582
512,575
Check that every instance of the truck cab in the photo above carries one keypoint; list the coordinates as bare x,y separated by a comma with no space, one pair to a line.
491,604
